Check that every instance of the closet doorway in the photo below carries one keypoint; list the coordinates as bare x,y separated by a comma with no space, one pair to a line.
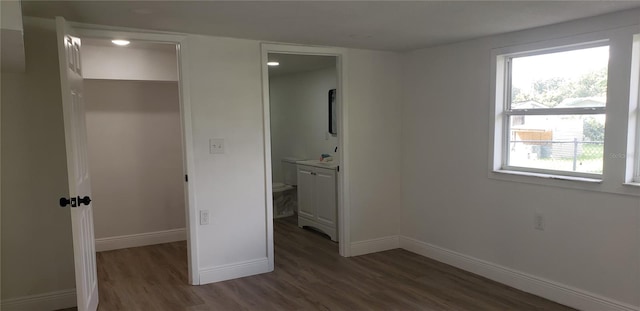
136,163
134,143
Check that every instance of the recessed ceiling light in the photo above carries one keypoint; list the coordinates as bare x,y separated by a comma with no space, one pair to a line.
120,42
273,64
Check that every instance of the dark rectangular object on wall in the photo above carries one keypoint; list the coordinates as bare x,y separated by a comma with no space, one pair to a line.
333,119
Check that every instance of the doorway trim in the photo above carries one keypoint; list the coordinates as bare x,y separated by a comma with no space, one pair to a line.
344,238
108,32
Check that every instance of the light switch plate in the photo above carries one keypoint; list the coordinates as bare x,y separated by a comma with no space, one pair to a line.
216,146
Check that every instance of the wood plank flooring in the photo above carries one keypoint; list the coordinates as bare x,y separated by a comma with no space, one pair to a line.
309,275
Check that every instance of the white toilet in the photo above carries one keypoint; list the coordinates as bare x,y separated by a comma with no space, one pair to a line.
285,195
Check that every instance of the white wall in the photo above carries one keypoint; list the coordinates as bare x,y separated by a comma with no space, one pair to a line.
225,92
135,156
374,84
591,241
11,17
37,254
300,116
11,37
132,62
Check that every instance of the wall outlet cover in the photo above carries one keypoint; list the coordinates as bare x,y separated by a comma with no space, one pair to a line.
538,221
216,146
204,217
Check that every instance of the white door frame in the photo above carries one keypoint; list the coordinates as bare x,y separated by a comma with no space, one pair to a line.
343,175
107,32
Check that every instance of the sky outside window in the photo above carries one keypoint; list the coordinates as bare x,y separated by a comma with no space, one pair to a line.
551,78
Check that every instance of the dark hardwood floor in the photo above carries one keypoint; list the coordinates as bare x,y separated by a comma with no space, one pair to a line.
309,275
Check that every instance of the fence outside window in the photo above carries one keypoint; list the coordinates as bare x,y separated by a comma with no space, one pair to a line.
568,155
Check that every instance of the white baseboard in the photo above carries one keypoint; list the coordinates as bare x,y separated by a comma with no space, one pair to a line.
551,290
234,270
43,302
140,239
375,245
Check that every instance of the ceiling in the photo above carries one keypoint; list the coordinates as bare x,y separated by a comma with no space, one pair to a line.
381,25
294,63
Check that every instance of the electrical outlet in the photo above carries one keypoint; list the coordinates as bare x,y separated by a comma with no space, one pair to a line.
538,221
204,217
216,146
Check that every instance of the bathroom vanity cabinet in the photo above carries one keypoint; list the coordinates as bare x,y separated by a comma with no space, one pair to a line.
317,199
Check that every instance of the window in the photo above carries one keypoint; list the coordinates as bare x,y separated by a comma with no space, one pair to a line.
552,110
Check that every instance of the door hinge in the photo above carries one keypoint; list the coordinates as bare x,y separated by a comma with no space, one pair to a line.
338,168
186,178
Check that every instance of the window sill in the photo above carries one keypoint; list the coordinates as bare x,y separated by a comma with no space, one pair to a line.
566,182
549,176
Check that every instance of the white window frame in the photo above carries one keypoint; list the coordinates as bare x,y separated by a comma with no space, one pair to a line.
633,139
502,112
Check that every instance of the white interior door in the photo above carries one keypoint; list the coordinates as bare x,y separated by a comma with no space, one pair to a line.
78,169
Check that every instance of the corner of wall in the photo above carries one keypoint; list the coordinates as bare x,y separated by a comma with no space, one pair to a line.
234,270
375,245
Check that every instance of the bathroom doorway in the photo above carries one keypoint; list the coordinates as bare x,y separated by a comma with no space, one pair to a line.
304,145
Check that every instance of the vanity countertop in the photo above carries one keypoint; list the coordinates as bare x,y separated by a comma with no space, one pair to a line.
332,165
